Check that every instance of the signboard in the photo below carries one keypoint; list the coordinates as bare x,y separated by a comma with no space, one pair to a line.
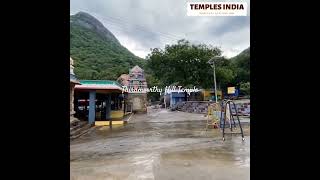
231,90
217,8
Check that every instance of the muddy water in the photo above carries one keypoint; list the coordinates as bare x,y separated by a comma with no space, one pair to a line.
160,145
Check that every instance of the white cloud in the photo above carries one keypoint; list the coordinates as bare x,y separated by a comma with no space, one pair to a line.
143,24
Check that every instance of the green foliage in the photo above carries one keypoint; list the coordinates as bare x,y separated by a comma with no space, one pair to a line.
245,88
99,58
241,64
225,75
153,81
187,65
183,63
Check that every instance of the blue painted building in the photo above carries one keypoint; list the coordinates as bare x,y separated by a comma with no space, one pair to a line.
172,98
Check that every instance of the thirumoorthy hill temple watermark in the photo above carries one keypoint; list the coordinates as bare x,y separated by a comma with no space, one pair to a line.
217,9
156,89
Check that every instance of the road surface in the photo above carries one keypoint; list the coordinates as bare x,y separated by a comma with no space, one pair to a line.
160,145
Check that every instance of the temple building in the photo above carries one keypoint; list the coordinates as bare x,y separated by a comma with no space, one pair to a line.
135,80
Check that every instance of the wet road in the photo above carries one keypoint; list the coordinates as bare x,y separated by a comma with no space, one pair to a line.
160,145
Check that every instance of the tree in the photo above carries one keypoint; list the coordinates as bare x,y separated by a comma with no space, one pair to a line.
245,88
183,63
152,81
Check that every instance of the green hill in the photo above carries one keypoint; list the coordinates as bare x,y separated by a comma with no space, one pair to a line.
241,64
96,51
243,59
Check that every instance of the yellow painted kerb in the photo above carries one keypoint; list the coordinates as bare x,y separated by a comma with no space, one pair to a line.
106,123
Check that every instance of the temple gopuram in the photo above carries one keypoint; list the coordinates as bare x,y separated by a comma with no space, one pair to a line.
135,80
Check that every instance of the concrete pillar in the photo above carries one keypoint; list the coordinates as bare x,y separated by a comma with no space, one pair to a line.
92,107
108,106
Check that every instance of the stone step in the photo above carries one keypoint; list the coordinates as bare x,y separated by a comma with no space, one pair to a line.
83,131
78,125
80,130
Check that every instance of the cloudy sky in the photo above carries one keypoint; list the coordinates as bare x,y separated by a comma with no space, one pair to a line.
143,24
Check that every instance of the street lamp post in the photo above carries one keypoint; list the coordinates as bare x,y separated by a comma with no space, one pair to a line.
215,83
211,62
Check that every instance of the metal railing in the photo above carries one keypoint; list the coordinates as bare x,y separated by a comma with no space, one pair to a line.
231,119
